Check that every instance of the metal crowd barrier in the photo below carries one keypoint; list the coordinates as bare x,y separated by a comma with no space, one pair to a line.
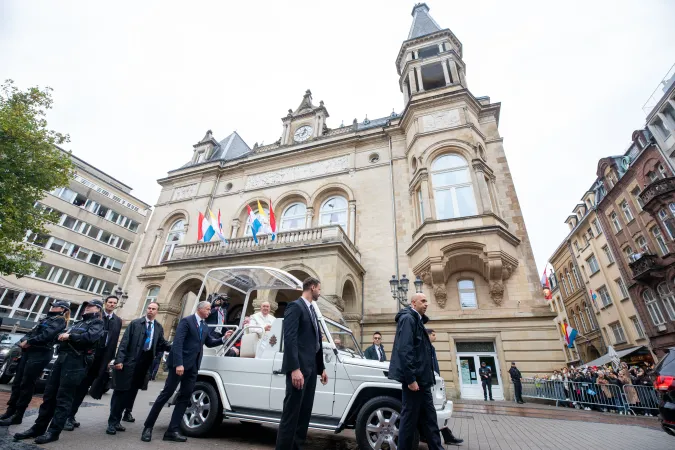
627,399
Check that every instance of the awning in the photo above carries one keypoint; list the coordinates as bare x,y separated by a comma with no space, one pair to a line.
601,361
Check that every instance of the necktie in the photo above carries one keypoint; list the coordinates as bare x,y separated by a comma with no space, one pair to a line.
316,327
379,351
148,337
201,327
107,328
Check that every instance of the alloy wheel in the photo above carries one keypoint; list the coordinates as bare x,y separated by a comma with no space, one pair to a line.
198,410
382,429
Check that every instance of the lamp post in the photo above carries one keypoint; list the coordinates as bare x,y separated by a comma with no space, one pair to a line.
122,295
399,288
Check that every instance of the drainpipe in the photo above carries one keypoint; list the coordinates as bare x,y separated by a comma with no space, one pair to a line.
393,209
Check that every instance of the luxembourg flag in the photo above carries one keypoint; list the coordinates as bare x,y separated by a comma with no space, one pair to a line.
594,296
205,231
255,223
569,333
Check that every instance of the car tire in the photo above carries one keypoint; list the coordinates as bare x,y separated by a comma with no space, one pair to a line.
5,377
203,412
368,417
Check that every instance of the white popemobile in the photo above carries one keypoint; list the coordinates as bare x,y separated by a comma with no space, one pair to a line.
251,387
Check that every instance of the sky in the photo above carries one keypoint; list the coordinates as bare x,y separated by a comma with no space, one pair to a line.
136,84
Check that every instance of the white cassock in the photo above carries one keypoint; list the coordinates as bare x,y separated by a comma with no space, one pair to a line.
258,320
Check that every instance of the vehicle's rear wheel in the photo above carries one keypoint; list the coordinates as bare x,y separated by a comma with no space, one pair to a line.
4,376
377,424
203,412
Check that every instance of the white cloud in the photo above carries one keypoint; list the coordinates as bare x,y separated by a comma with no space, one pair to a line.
137,83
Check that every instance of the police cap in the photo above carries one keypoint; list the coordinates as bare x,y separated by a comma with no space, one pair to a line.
61,304
95,302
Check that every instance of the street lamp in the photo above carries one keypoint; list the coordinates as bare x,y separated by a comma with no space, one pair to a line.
122,295
399,288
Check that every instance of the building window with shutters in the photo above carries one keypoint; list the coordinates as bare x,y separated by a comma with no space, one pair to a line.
660,242
653,307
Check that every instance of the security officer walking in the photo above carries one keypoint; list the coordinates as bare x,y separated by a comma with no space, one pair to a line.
485,373
37,350
76,352
517,378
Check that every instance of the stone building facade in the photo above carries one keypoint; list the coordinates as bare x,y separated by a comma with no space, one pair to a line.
88,253
425,192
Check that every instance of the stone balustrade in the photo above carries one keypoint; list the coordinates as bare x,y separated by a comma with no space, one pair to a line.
284,240
656,189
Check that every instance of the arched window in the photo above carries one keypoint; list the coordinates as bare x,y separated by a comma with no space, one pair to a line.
151,296
467,294
174,238
334,212
583,320
667,298
293,217
590,316
453,192
263,218
569,278
653,307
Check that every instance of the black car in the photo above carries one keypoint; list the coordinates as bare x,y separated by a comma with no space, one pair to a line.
9,353
664,383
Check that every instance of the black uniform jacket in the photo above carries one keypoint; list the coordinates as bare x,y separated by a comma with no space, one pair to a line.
411,356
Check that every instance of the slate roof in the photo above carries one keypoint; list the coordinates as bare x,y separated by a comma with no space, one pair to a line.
422,24
232,147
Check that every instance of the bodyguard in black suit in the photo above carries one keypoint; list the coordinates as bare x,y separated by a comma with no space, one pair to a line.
412,364
105,352
143,340
376,351
183,362
302,363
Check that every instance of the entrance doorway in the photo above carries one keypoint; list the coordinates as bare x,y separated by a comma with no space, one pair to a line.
468,363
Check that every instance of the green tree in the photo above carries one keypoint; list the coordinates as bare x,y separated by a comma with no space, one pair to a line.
31,164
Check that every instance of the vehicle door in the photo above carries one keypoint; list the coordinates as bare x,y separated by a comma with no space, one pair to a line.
323,397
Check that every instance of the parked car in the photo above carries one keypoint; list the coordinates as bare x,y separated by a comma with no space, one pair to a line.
251,387
664,383
8,355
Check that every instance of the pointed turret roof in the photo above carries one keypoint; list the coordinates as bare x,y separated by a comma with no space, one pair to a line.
306,104
423,23
232,147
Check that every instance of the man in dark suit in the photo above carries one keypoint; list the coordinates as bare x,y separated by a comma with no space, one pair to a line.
303,362
376,351
412,365
105,352
183,363
143,340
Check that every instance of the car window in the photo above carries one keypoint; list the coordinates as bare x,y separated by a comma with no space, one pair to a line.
343,339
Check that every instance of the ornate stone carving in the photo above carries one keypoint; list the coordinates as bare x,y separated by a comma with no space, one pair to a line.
295,173
337,301
183,192
497,292
441,119
426,277
440,295
352,317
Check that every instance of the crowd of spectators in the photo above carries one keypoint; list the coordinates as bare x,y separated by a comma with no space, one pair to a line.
602,388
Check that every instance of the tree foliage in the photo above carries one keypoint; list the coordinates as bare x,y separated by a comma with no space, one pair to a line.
30,166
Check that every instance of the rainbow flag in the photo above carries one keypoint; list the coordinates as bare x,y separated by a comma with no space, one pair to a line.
569,333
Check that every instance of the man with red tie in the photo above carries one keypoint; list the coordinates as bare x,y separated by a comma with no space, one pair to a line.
183,363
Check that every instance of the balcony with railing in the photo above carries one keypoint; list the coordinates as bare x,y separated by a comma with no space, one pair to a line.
663,188
644,265
324,236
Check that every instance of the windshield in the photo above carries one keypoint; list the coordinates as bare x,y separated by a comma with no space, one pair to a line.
344,339
9,339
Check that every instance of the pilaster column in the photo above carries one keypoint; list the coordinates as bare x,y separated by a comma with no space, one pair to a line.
426,202
309,214
454,71
352,221
445,72
483,189
158,235
419,78
668,122
235,228
411,80
284,135
405,92
462,78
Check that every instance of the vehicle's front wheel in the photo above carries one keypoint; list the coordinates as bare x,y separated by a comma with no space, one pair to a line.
203,412
377,424
4,376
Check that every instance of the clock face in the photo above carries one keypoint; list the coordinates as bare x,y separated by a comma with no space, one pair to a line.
303,133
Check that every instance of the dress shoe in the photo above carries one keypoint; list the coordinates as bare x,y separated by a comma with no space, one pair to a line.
174,437
449,438
119,427
76,424
68,426
49,436
147,435
11,420
111,429
127,417
492,399
29,433
521,403
7,414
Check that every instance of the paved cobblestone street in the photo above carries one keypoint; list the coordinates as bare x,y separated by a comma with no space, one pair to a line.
496,426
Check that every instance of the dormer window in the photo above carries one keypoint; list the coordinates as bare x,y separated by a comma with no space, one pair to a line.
200,157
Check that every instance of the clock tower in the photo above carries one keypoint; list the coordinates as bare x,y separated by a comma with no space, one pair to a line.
305,123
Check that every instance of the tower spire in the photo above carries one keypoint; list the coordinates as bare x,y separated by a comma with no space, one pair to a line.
423,23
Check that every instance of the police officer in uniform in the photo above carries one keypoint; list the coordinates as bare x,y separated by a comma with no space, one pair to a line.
76,352
485,373
517,378
37,350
